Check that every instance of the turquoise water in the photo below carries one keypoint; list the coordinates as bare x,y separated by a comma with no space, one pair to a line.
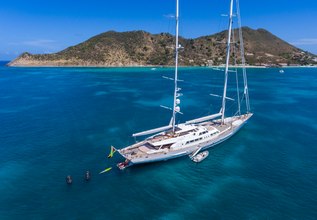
60,121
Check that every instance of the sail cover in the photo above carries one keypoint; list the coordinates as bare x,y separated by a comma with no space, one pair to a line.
209,117
152,131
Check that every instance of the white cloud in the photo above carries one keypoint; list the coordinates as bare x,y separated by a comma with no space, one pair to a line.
39,43
169,16
305,41
36,43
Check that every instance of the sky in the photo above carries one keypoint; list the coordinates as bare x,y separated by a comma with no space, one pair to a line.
38,26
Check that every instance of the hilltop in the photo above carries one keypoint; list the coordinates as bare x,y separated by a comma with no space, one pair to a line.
140,48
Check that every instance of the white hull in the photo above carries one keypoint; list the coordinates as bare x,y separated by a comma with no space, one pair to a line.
183,151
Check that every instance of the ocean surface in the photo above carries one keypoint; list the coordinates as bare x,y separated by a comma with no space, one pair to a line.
56,122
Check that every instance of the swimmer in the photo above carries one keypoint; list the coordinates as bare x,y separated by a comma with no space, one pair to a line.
69,180
87,175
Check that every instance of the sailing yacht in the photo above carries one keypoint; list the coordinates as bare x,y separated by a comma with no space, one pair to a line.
188,138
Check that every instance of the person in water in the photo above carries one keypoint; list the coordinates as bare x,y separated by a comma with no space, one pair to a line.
69,179
87,175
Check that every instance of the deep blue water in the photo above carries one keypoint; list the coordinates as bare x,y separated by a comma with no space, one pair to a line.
60,121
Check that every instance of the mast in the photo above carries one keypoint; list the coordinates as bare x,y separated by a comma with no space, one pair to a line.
236,71
227,64
176,101
245,80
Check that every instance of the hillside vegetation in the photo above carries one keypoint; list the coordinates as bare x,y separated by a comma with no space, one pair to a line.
140,48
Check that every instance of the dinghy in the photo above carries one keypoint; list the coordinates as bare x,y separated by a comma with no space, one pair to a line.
200,157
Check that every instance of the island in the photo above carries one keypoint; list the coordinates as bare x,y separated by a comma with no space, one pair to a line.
140,48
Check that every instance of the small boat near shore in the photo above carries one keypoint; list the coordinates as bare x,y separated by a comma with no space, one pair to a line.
200,156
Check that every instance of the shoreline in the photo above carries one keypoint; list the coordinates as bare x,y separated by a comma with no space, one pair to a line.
159,67
5,63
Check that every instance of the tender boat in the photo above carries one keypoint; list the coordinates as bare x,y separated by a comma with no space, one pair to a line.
200,156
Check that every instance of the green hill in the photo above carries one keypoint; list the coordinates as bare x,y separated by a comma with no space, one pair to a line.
140,48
